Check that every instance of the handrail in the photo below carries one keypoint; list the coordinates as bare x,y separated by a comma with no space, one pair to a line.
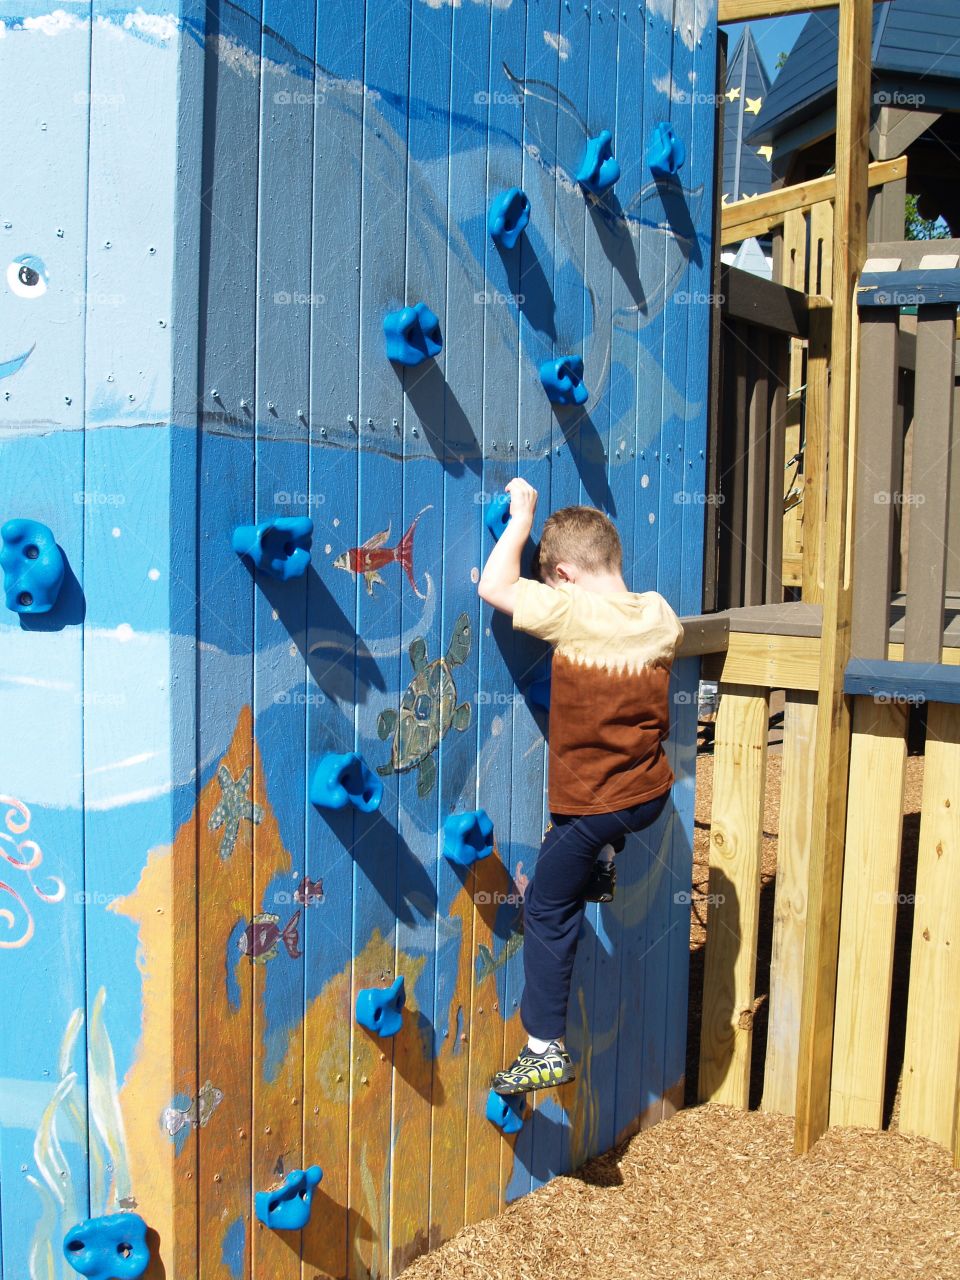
760,214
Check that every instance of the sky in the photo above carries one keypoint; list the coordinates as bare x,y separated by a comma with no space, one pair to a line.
772,35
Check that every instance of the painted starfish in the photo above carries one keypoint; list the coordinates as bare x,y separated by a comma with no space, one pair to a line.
235,806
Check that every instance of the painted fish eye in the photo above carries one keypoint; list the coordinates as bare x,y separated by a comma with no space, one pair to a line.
27,276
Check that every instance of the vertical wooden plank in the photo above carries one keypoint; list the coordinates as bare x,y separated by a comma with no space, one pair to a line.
561,134
757,466
424,492
773,555
697,64
790,902
816,425
820,283
471,1062
953,504
284,310
733,513
736,829
926,574
593,1015
341,670
635,866
139,553
875,463
868,912
833,712
794,272
42,939
932,1046
667,64
460,507
225,642
618,1101
715,397
535,279
383,389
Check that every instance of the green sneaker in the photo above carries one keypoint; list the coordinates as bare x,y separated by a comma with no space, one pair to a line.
531,1071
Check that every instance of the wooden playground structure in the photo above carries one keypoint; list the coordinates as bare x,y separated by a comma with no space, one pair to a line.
845,605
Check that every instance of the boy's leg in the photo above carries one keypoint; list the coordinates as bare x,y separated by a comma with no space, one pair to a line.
553,907
552,915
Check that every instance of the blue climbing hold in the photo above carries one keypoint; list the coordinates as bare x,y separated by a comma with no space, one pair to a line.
468,837
110,1248
381,1009
32,566
509,214
288,1208
506,1112
497,515
412,334
538,692
600,168
279,547
339,780
563,380
666,152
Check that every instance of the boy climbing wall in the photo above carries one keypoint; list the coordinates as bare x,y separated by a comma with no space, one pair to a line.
608,772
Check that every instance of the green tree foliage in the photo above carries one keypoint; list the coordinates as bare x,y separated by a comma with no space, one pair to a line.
924,228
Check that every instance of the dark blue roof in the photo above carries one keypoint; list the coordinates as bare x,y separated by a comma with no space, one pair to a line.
918,39
745,170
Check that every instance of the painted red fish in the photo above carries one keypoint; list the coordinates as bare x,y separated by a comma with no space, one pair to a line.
262,937
309,892
370,558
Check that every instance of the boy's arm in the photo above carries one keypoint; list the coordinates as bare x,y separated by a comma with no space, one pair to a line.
501,573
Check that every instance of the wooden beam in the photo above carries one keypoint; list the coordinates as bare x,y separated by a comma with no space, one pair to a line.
815,450
752,217
832,755
736,834
932,1044
790,903
762,302
782,661
871,870
748,10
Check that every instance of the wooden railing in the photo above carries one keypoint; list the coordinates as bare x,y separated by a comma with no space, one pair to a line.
758,320
900,499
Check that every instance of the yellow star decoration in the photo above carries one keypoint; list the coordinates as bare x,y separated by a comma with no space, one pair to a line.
732,95
725,197
753,106
766,152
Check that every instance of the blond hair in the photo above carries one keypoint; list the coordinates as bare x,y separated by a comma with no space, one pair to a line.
582,536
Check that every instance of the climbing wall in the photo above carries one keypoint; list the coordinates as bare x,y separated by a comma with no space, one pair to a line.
210,211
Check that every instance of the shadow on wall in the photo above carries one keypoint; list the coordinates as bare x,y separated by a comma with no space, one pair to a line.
445,425
334,666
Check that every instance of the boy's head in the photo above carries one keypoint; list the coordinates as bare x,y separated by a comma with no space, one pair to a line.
578,542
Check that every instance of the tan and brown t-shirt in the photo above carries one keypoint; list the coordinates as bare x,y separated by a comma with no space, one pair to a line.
609,708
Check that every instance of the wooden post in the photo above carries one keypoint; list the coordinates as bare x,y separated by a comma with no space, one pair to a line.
932,1044
877,757
815,449
933,415
736,832
790,903
833,709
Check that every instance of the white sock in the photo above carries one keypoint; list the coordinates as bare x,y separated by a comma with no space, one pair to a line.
541,1046
607,853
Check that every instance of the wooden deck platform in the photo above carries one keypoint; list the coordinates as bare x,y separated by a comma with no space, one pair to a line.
777,646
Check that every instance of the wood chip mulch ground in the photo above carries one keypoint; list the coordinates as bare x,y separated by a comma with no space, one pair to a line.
716,1193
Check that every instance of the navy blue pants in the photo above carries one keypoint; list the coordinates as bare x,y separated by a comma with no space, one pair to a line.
553,907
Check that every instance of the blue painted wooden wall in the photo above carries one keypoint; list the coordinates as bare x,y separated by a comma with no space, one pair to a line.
217,205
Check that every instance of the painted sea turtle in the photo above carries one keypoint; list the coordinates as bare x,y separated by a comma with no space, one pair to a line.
428,709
